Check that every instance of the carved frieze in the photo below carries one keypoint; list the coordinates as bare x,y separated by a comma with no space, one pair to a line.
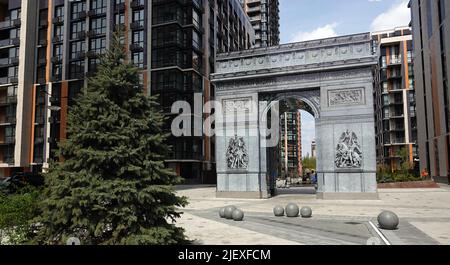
238,105
346,97
330,53
292,79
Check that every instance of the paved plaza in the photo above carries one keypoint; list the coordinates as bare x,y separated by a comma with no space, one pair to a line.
424,219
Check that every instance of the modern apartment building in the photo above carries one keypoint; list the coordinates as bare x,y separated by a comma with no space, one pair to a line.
265,18
395,103
431,31
313,149
48,48
290,145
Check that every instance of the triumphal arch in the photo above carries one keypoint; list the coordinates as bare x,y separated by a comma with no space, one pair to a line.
334,78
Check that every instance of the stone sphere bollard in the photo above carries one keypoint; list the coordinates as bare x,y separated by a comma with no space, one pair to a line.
388,220
278,211
222,212
238,215
292,210
306,212
229,212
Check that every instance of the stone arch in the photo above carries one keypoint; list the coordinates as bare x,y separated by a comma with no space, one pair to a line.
310,98
334,78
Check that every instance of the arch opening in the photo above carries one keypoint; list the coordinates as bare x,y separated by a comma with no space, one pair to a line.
292,164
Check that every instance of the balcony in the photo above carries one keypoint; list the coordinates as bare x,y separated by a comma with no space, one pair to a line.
56,78
80,35
92,33
58,21
42,42
43,23
135,47
9,42
78,56
10,140
137,4
17,23
9,61
7,23
42,61
57,39
92,54
57,59
119,8
137,25
41,80
79,15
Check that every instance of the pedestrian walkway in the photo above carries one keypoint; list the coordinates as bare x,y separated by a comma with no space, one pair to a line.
424,214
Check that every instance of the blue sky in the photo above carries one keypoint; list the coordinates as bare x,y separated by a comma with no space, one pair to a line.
314,19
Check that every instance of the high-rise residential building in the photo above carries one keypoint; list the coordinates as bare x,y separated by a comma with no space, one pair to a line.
290,145
313,149
395,105
431,32
265,18
48,48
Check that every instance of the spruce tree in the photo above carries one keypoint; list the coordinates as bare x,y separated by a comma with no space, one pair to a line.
111,185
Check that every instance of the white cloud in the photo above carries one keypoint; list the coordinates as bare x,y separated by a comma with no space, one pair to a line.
326,31
397,15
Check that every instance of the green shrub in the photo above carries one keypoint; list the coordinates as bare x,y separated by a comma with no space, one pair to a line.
16,212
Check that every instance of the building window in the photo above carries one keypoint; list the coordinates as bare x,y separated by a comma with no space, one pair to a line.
93,63
13,71
77,9
59,32
119,19
10,133
98,25
99,6
77,28
57,71
138,17
59,11
15,14
14,52
430,18
58,51
98,45
138,38
441,8
196,40
138,59
14,33
77,49
11,94
76,70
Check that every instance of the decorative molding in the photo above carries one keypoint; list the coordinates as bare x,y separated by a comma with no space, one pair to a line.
281,81
300,46
348,151
237,154
346,97
335,51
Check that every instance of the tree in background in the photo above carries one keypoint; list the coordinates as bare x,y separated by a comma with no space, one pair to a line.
309,162
112,186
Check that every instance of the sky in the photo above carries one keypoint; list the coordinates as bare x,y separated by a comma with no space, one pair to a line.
302,20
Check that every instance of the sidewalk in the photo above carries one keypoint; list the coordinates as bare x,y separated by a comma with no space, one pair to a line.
424,214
